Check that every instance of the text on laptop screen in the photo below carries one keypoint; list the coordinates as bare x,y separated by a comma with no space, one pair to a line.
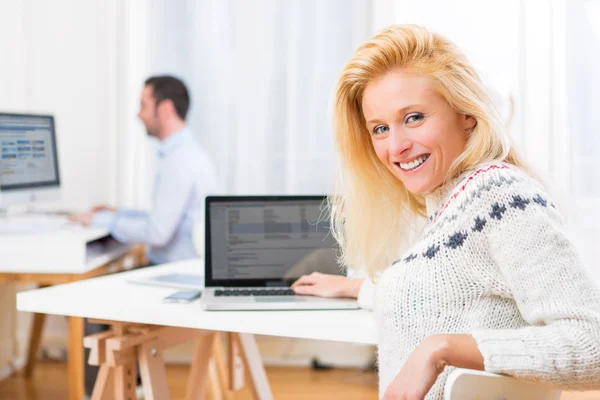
271,240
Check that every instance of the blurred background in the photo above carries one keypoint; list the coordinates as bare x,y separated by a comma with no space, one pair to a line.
261,75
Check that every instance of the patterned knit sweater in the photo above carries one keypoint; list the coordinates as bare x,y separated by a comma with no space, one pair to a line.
493,261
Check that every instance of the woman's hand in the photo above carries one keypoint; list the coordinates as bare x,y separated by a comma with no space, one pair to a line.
428,361
324,285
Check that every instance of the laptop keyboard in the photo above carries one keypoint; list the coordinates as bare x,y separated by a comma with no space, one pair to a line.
255,292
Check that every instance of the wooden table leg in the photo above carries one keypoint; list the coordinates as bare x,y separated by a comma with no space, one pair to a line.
214,386
125,382
197,380
235,363
153,371
34,342
118,350
104,388
76,359
221,369
258,382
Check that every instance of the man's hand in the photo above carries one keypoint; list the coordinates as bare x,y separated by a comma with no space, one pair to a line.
84,218
324,285
102,208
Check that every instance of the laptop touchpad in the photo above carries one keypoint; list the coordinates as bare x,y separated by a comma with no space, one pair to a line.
278,299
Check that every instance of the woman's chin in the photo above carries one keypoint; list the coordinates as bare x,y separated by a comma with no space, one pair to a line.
417,188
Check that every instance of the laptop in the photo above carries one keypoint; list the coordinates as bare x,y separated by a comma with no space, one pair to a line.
257,246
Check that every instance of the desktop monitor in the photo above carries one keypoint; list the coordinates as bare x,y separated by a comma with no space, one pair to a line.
28,159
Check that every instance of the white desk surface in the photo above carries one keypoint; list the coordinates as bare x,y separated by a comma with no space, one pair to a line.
113,298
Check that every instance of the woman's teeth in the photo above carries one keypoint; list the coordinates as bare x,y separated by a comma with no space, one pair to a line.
414,163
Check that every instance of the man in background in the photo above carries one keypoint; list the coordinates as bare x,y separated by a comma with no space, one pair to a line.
185,175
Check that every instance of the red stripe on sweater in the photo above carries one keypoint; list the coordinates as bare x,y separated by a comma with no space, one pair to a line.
469,179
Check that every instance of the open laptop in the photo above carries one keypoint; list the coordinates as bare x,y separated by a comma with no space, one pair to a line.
257,246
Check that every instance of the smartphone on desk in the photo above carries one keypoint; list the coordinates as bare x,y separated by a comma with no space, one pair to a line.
182,297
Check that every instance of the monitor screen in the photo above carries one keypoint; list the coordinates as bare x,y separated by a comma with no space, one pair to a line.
27,152
278,240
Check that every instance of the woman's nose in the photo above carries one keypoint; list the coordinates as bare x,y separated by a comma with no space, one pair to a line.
399,142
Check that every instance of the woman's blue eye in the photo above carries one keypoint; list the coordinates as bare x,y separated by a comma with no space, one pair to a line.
380,129
414,117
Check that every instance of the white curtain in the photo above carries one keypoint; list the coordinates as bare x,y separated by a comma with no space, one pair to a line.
575,118
261,75
582,80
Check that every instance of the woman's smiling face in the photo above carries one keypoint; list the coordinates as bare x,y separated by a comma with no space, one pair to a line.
414,131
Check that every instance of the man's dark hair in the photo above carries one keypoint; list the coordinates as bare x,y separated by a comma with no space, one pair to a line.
166,87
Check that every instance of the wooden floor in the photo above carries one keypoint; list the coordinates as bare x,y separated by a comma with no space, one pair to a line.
50,382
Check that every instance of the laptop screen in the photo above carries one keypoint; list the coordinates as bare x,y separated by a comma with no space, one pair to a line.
268,240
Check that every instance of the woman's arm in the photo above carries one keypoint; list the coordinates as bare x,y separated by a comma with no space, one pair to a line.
552,290
427,362
458,351
543,274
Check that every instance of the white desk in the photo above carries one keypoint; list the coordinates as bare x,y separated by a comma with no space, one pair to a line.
71,249
113,298
61,256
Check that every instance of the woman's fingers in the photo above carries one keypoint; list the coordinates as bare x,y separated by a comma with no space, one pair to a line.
305,289
304,280
321,285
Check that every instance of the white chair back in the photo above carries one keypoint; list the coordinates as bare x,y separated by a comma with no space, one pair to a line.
466,384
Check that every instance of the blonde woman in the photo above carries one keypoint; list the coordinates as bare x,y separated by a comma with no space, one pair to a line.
492,282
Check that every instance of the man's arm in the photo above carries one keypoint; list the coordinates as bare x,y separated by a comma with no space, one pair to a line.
155,228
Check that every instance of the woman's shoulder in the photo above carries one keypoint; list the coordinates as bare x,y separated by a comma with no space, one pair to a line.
499,179
494,185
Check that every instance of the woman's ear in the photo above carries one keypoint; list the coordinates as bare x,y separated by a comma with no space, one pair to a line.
469,123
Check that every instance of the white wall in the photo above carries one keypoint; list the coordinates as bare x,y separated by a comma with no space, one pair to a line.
60,57
60,61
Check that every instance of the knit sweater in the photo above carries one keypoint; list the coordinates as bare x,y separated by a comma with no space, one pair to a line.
494,262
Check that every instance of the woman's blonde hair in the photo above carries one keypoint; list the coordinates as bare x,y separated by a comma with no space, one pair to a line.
372,211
